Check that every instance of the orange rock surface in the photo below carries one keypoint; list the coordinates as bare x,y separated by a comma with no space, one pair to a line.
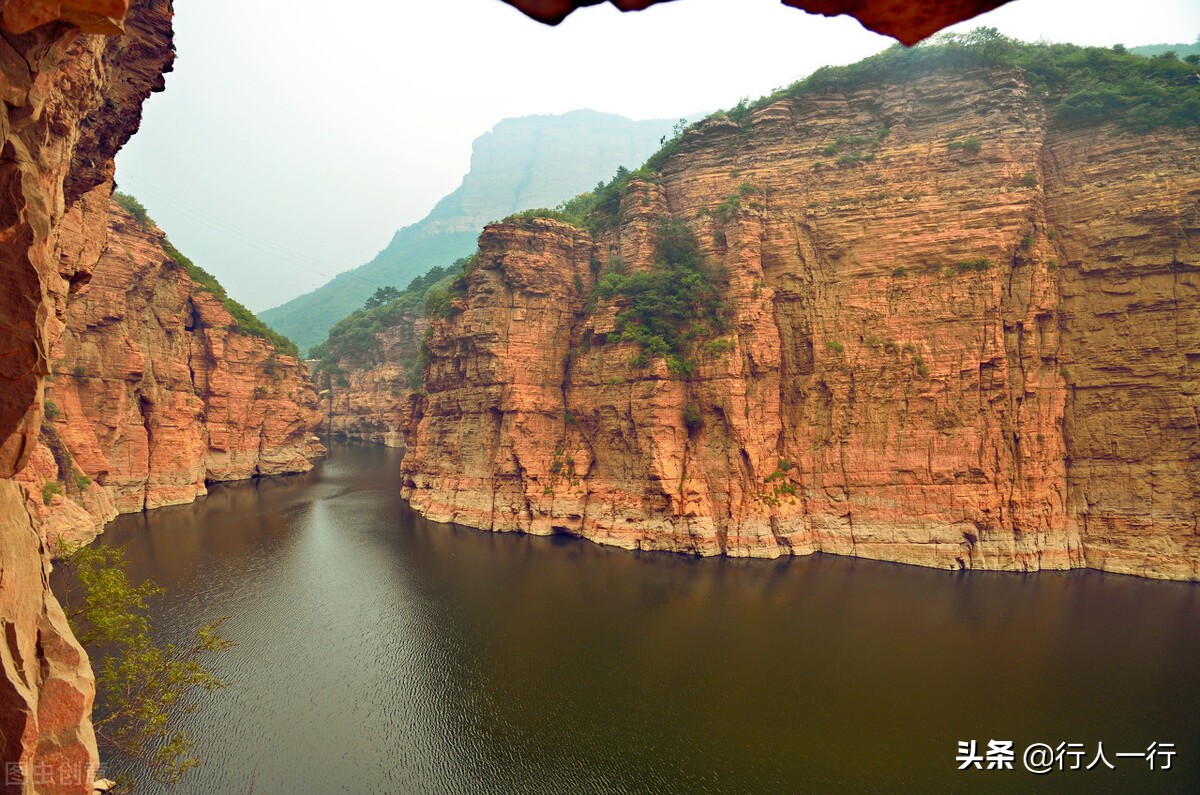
906,20
375,404
70,101
953,356
157,391
90,16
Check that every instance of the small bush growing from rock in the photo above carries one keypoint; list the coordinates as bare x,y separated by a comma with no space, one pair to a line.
50,490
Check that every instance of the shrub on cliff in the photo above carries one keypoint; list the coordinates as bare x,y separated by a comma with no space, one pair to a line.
354,340
1084,84
971,144
600,209
134,207
51,490
525,216
439,304
141,686
673,303
244,321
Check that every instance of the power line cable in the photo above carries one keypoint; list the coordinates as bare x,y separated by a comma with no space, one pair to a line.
265,246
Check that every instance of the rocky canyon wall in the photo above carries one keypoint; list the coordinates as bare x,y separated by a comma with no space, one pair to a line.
72,95
155,391
375,404
959,335
908,22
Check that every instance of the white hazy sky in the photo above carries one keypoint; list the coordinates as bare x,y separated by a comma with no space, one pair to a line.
290,146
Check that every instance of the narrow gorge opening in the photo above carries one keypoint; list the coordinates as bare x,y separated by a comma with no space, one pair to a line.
933,307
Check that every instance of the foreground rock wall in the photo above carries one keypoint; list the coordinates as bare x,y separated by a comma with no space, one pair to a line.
155,391
71,98
961,337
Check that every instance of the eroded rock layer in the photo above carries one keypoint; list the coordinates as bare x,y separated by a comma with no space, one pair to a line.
155,391
960,336
906,20
375,404
69,101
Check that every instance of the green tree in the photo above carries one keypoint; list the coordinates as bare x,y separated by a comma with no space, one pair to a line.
382,296
142,686
669,306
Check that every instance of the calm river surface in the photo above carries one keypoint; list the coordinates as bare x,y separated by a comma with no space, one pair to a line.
381,653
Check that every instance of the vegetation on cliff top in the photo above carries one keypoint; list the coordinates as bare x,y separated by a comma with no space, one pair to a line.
678,301
599,209
354,340
665,310
529,161
244,320
1085,85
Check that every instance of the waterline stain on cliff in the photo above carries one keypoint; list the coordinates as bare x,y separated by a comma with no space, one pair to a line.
926,329
446,659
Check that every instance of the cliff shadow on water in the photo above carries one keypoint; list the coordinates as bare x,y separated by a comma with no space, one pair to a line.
382,652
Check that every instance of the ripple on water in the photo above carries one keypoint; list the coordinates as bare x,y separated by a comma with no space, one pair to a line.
379,652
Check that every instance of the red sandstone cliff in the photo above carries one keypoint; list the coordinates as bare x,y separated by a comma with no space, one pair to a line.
71,98
155,391
374,403
964,356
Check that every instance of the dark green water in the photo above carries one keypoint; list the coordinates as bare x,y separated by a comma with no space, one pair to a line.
382,653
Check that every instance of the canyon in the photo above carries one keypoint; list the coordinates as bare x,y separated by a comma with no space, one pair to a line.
961,332
155,391
903,376
374,404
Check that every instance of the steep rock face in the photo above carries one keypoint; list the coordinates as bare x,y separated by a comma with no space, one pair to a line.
156,391
47,691
69,102
1128,211
496,384
375,404
964,355
90,16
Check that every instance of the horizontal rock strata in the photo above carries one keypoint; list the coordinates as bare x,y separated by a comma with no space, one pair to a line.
70,101
375,404
958,355
156,391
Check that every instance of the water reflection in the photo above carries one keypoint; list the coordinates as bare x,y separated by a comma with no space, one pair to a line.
383,653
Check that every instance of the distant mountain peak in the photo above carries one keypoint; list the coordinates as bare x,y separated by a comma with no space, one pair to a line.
521,162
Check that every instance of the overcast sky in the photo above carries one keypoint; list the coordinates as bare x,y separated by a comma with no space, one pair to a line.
290,146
